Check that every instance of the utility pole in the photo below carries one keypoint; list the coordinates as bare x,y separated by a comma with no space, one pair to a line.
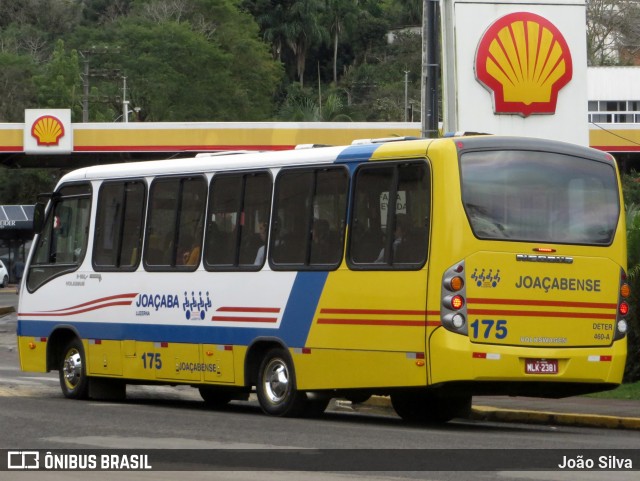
406,94
430,67
125,102
86,73
85,88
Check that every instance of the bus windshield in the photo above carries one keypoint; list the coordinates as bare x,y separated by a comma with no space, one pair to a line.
539,197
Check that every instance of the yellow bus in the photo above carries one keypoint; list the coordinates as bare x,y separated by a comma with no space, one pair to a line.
430,271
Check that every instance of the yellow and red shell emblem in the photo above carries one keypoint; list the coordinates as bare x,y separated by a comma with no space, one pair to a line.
47,130
524,60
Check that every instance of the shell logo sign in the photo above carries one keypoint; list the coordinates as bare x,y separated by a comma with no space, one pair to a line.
47,130
524,61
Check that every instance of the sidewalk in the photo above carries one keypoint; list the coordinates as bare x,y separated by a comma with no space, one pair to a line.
572,411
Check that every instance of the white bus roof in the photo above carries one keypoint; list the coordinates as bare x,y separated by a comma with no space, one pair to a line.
207,163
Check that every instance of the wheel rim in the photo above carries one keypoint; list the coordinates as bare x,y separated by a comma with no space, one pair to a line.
72,368
276,381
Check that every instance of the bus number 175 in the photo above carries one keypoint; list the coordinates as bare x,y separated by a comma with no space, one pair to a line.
489,328
151,360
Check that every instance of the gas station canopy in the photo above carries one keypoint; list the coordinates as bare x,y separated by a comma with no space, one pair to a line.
16,221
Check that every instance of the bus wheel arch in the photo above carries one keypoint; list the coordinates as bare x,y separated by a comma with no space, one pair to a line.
56,343
255,354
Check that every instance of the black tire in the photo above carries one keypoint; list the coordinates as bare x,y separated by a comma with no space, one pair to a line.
357,397
215,398
315,405
5,281
276,388
424,407
72,369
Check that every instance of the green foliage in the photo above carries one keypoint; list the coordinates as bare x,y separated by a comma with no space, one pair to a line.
22,186
59,84
629,391
632,370
302,106
203,62
204,59
16,84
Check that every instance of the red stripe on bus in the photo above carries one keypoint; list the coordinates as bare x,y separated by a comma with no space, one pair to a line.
96,301
78,311
524,302
271,310
396,312
244,319
373,322
586,315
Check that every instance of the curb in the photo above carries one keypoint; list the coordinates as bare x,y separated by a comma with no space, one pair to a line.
6,310
489,413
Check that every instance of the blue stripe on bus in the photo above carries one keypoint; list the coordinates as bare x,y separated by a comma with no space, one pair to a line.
301,307
294,328
357,153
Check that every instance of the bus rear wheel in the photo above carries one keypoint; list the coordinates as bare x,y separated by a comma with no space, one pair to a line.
425,407
73,371
276,387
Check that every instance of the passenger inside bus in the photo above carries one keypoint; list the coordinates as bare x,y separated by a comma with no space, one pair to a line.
262,232
399,238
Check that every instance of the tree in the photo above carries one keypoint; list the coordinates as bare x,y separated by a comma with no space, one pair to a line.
201,62
342,14
22,186
296,24
300,106
632,370
610,24
59,86
16,85
302,30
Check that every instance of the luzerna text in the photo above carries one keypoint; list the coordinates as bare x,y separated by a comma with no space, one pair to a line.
558,283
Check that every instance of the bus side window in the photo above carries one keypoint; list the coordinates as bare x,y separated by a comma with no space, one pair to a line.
175,223
310,213
119,223
239,206
62,245
390,216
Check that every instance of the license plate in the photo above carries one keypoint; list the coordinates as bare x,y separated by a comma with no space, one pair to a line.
541,366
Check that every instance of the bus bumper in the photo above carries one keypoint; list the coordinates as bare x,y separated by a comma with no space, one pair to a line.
454,358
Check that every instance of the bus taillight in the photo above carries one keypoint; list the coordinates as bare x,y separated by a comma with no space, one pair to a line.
625,290
453,310
454,302
623,307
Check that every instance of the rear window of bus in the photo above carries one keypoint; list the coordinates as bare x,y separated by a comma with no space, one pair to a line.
539,197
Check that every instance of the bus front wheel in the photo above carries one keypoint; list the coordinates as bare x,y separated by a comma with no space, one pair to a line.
276,387
72,371
428,408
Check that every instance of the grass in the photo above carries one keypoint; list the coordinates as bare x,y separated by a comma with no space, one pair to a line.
624,391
